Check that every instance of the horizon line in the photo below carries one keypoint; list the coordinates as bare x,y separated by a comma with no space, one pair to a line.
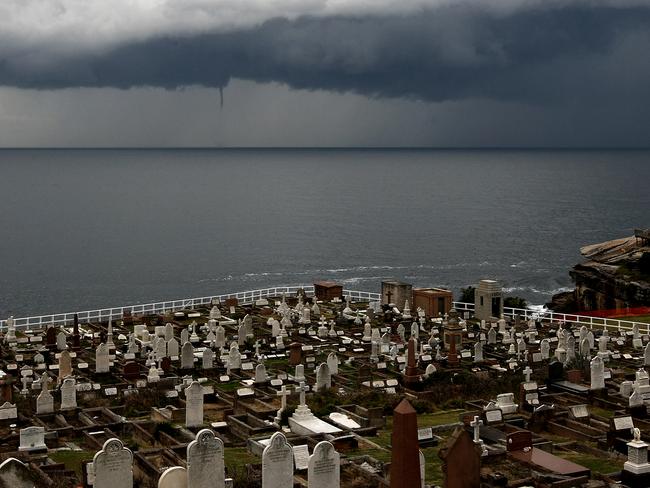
326,148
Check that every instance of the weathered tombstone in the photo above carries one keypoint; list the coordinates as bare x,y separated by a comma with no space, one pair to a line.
69,394
277,463
102,361
478,351
45,400
185,336
174,477
15,474
241,335
492,336
169,331
32,439
323,377
333,363
113,466
207,360
544,348
597,373
234,356
172,348
220,336
324,469
299,373
205,463
61,343
260,374
65,365
194,405
8,411
187,356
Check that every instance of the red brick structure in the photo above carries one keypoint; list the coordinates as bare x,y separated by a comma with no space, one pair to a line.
435,302
328,290
405,460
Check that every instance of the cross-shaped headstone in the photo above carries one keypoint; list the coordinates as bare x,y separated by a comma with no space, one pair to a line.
283,393
302,389
527,372
477,426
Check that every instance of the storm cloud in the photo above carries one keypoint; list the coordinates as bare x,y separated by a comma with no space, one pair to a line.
551,53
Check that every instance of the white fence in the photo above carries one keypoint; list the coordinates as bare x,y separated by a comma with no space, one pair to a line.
591,322
115,313
248,297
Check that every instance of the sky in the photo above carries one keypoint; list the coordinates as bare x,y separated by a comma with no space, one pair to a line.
441,73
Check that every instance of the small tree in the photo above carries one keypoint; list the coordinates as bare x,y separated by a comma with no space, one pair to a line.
467,294
515,302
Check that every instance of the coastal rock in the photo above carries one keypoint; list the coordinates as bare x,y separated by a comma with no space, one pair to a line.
615,276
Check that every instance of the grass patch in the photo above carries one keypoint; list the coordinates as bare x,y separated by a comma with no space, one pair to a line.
230,387
602,465
72,459
238,457
602,412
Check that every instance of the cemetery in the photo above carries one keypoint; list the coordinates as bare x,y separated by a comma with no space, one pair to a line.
322,387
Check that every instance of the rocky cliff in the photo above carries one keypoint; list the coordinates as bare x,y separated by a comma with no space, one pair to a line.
615,275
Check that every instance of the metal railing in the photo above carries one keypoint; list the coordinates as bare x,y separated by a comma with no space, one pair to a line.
251,296
591,322
115,313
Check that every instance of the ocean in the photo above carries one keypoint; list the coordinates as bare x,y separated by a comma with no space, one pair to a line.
83,229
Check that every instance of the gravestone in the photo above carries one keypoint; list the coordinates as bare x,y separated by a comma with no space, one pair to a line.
32,439
597,367
65,365
323,377
492,336
301,457
69,394
8,411
50,337
113,466
478,352
405,459
174,477
172,348
277,463
220,336
299,374
544,348
45,400
15,474
187,356
102,361
207,360
61,343
333,363
131,370
194,404
205,463
324,469
234,357
260,374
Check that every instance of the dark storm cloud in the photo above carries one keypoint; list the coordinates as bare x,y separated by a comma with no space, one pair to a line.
537,54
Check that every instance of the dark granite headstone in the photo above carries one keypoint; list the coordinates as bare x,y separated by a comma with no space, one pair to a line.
131,370
166,364
555,371
519,440
405,460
